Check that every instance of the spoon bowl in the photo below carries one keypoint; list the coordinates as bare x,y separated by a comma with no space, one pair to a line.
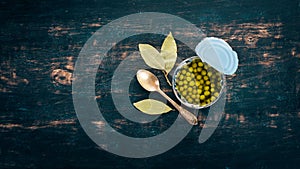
147,80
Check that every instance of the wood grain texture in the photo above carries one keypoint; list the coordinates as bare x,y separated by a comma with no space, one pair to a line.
40,42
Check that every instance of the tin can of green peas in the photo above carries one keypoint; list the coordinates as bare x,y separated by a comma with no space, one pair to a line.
199,81
196,84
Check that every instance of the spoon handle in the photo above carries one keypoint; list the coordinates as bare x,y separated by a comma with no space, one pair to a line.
190,117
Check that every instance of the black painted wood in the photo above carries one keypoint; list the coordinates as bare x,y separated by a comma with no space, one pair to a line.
41,40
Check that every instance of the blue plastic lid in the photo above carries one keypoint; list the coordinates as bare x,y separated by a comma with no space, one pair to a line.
218,54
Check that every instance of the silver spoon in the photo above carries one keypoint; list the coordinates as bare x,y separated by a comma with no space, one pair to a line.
150,82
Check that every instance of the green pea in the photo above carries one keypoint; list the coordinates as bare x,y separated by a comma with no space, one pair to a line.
181,90
205,78
194,65
200,64
199,69
192,75
199,91
206,88
202,97
192,83
206,66
206,93
201,81
213,98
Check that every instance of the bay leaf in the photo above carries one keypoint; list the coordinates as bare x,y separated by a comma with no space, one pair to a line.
151,56
169,53
152,107
164,60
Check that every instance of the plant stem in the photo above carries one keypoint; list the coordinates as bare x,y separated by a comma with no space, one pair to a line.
166,76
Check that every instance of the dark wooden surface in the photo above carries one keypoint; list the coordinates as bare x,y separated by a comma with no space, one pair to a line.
42,39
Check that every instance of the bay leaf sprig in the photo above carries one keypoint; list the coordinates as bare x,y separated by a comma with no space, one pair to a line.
163,60
152,107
